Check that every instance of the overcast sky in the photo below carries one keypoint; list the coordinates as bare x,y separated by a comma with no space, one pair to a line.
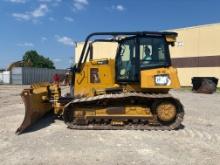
52,26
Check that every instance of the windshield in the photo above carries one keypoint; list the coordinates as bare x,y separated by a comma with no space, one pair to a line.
139,53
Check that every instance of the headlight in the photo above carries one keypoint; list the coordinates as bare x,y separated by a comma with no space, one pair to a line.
162,80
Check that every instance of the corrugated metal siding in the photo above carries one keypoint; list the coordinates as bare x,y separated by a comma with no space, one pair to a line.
16,76
27,75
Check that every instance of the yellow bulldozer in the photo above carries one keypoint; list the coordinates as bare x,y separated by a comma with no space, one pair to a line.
128,92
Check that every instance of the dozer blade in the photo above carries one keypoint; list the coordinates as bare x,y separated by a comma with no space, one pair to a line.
36,101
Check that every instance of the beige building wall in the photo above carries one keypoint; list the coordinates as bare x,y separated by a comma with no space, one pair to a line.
78,50
100,50
194,44
185,74
202,42
197,41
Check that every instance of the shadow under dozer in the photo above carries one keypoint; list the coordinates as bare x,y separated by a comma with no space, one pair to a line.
36,101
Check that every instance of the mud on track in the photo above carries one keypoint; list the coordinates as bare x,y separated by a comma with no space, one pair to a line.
50,142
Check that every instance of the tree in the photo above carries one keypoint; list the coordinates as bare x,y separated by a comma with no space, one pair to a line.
33,59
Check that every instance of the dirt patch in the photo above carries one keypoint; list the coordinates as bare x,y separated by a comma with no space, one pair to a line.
50,142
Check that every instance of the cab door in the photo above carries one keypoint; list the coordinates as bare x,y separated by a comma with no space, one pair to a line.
127,66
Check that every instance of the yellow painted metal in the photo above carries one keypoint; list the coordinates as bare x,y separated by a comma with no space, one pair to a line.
166,112
127,111
148,78
106,78
36,103
58,107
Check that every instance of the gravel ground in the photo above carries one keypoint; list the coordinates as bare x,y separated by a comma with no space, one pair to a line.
50,142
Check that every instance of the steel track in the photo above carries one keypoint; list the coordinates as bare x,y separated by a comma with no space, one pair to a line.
112,98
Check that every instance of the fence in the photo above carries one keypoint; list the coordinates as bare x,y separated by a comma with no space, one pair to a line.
27,75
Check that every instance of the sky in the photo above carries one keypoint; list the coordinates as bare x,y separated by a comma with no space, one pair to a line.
51,27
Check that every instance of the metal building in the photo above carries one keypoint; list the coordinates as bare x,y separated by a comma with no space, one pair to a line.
5,77
196,53
28,75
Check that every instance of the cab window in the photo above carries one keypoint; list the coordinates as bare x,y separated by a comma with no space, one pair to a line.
152,52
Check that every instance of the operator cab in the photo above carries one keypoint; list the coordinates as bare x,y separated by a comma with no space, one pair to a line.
138,53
